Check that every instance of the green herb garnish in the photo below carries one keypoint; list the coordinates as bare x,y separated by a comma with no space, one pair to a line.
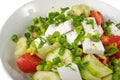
14,38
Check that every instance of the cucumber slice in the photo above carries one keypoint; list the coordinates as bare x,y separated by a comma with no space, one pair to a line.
79,9
43,52
32,49
87,75
21,47
95,67
109,77
66,58
46,75
52,55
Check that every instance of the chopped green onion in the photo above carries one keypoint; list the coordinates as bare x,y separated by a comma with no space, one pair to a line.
47,67
79,29
40,68
56,60
95,38
79,52
14,38
90,22
35,20
42,42
43,62
109,22
80,38
27,35
30,28
61,51
106,27
64,9
62,39
112,52
60,64
56,34
78,19
118,25
29,41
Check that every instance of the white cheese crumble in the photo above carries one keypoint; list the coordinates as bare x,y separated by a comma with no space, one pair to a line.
93,47
114,30
69,73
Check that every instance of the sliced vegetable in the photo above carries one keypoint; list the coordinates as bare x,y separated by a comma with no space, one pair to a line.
21,47
28,63
79,9
98,17
44,51
66,58
95,67
46,75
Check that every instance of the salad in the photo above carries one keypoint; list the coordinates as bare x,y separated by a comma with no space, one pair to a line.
70,44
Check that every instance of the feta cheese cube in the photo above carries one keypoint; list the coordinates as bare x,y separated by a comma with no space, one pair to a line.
71,36
69,73
50,30
64,27
114,30
88,27
93,47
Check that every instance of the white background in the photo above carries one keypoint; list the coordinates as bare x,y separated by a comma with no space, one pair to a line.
7,7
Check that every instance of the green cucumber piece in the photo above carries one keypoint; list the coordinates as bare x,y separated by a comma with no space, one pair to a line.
21,47
66,58
95,67
79,9
43,52
109,77
32,49
46,75
87,75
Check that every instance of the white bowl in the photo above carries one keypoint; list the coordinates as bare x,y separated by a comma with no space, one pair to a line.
18,22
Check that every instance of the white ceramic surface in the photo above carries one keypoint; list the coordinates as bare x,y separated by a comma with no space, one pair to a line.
18,22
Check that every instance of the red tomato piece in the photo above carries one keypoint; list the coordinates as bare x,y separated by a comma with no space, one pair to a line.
106,60
117,55
98,17
105,40
27,63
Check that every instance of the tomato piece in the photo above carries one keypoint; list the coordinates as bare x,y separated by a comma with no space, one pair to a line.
98,17
106,60
105,40
117,55
27,63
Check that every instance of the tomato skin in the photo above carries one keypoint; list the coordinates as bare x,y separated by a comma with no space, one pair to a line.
98,17
117,55
106,60
27,63
105,40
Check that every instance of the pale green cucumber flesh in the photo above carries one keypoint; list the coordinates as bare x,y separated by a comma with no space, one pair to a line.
66,58
94,66
44,51
21,47
46,75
